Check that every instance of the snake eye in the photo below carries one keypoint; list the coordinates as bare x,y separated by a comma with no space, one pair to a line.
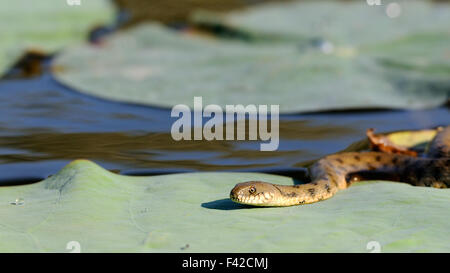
252,190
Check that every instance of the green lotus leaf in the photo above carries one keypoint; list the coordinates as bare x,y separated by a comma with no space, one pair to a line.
156,66
412,139
105,212
46,25
350,23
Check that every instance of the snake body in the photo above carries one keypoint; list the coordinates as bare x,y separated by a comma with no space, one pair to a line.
337,172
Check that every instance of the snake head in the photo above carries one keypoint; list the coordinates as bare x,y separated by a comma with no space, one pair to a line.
254,193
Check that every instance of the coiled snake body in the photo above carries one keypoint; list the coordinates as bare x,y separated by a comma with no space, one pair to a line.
339,171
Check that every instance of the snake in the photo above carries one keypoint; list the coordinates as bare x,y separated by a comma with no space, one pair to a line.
336,172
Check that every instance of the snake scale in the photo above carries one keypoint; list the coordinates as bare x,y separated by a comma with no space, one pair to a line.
337,172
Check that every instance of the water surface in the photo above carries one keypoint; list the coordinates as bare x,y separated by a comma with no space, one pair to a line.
44,125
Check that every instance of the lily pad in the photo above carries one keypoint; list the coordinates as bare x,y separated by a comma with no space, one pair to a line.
351,23
153,65
412,139
46,25
103,211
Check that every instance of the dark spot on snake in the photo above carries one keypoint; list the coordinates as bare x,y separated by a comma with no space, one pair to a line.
312,191
292,194
437,173
327,188
357,158
378,158
420,172
339,160
395,160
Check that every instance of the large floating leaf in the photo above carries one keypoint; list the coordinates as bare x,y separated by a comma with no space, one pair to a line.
46,25
106,212
156,66
350,23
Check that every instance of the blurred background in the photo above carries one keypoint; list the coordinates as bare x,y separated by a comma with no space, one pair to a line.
97,79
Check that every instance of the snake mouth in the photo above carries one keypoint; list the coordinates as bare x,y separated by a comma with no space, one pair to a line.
260,199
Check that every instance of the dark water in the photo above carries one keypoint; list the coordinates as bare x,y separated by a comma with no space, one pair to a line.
45,125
